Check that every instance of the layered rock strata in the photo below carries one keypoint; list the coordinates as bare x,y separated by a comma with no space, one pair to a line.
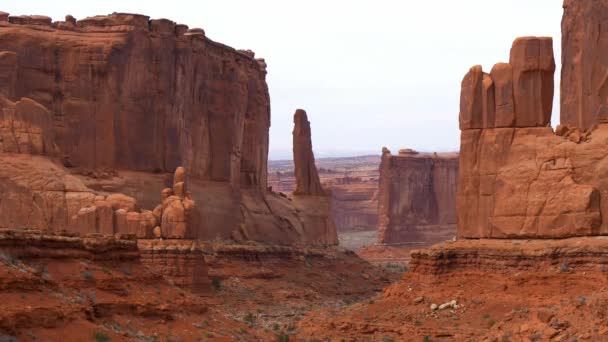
34,244
503,256
112,105
182,261
417,197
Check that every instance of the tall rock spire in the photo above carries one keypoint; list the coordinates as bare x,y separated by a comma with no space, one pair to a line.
307,177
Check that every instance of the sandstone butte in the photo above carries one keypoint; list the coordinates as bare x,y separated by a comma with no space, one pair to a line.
519,178
529,263
417,197
97,114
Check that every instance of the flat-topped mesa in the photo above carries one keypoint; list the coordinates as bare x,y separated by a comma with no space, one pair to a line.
112,105
305,170
417,197
101,67
517,94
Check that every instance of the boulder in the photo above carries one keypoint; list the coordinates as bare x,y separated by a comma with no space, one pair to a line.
122,201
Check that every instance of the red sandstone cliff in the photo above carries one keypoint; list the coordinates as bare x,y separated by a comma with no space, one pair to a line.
308,194
417,196
305,170
113,104
584,82
519,179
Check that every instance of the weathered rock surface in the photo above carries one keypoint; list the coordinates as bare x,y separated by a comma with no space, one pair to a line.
26,127
101,67
522,180
305,170
182,261
584,78
417,196
352,182
533,68
517,94
121,101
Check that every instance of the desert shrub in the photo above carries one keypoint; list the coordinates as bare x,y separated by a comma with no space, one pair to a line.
8,338
101,336
217,284
126,270
249,318
9,259
87,275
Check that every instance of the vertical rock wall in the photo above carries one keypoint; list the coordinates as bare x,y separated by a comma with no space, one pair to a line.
584,77
417,196
519,179
113,104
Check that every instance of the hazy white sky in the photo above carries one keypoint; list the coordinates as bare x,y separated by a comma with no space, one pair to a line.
370,73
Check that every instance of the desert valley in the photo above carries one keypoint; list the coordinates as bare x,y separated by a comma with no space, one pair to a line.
138,201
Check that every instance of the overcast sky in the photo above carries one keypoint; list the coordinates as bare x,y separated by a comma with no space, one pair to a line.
370,73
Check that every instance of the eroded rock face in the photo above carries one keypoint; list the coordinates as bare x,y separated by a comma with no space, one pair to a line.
417,196
206,105
116,103
517,94
307,177
352,182
584,82
26,127
520,180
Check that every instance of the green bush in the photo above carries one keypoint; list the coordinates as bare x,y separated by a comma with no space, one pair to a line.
217,284
101,336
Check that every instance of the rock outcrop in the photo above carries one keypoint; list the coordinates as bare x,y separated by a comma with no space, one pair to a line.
305,170
417,196
309,197
584,77
114,104
177,215
93,74
522,180
352,182
182,261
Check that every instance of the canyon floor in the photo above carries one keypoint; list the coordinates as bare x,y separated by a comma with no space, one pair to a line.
475,290
503,291
55,290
